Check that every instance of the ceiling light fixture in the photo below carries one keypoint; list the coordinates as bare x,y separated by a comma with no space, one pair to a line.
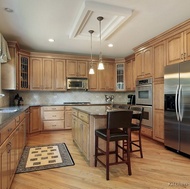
91,71
110,45
51,40
100,65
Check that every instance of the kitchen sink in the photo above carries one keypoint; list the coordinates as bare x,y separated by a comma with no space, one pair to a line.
8,110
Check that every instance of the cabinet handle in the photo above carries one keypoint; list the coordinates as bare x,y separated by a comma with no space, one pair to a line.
184,56
53,115
10,129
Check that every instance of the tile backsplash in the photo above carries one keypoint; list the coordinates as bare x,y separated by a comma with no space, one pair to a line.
47,97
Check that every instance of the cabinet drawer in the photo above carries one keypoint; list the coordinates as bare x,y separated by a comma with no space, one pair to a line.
53,125
53,108
83,116
53,115
75,112
7,130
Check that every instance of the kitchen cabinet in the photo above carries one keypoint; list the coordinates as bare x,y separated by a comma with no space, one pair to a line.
41,73
178,47
23,71
146,131
159,59
120,77
53,117
9,70
158,111
93,79
143,60
12,145
80,128
76,68
36,76
130,74
68,117
102,80
59,79
35,119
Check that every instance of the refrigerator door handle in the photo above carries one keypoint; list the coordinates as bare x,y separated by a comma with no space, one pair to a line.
179,102
176,102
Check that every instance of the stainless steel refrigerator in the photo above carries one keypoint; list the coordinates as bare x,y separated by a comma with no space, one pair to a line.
177,107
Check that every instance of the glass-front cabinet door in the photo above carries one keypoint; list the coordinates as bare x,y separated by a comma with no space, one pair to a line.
120,77
23,72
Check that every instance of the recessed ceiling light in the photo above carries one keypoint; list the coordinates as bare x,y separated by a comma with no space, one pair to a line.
51,40
110,45
8,10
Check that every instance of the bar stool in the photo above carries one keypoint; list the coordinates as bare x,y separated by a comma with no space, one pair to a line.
136,127
118,128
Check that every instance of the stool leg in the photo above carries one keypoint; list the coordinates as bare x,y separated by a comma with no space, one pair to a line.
107,160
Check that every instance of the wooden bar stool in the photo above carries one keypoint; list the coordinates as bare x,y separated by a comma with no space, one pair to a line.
118,129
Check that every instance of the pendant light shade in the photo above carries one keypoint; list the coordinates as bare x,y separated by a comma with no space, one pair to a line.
91,71
100,64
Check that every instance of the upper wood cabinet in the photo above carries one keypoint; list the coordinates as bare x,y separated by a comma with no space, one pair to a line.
178,47
120,76
143,60
23,71
59,79
41,75
102,80
75,68
130,74
159,59
36,76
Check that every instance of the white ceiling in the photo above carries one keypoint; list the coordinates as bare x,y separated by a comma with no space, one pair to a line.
126,24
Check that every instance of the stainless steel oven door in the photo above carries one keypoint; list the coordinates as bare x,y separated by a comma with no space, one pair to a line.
144,94
147,116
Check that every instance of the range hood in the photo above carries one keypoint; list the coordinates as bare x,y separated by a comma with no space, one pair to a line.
4,50
4,56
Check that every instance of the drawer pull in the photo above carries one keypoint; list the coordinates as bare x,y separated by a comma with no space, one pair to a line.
10,129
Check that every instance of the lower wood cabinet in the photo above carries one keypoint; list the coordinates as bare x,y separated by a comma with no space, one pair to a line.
35,119
53,117
11,149
68,117
146,131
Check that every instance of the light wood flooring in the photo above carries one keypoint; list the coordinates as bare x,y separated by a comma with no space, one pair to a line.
159,169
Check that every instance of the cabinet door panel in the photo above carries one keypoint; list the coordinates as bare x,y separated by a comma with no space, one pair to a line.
71,68
82,69
60,80
36,73
48,74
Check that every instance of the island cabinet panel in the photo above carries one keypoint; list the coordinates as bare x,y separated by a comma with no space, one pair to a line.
68,117
80,130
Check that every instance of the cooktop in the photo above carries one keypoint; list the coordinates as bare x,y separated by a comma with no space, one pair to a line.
80,103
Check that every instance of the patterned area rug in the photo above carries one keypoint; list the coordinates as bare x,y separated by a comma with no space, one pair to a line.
44,157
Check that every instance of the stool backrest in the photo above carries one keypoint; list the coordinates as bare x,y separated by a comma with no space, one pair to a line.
138,116
119,119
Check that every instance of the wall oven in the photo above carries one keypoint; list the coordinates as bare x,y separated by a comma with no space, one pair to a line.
144,95
143,92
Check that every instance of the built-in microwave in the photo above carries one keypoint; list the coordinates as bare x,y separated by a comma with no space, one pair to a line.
77,83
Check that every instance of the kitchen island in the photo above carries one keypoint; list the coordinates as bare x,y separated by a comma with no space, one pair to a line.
85,120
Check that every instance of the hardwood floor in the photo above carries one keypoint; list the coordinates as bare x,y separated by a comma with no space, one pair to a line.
159,169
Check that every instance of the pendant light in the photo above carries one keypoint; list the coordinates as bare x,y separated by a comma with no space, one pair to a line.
100,64
91,71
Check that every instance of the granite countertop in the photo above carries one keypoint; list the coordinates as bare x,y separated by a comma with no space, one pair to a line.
96,110
9,113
